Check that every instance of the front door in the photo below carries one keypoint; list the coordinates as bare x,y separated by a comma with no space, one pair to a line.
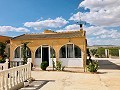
45,54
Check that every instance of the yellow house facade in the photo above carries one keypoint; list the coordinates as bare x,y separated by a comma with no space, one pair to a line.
68,47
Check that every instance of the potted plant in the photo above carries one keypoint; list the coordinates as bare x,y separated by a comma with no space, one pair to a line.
44,65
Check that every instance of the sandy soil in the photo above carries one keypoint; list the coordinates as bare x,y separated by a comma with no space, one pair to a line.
108,78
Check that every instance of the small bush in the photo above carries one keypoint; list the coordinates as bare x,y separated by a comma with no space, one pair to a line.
44,65
2,60
93,66
88,61
53,63
59,66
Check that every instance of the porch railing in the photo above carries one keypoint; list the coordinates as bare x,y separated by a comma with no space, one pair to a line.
15,63
4,66
10,78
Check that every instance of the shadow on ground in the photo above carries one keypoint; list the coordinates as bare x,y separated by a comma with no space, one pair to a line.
106,64
36,84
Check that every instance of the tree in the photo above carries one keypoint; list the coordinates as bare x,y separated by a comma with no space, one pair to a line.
24,50
93,51
2,51
101,52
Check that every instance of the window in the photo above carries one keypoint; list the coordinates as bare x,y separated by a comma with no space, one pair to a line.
77,51
63,52
28,53
52,53
70,51
38,53
17,52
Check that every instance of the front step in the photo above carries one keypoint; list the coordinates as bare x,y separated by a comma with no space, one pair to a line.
35,85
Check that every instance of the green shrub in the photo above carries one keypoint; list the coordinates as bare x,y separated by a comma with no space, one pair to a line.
2,60
53,63
2,52
59,66
87,61
101,52
93,66
93,51
114,51
44,65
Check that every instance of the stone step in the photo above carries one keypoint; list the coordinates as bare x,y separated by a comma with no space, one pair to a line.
35,85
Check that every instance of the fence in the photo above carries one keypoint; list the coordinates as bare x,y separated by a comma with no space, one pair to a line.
15,63
10,78
4,66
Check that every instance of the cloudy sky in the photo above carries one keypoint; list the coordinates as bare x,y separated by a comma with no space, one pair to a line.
101,18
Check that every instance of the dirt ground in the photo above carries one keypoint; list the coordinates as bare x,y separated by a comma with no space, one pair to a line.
108,78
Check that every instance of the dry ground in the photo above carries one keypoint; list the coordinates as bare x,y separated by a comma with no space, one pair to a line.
107,79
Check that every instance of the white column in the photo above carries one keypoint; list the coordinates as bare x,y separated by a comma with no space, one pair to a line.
73,51
29,63
6,64
107,53
66,50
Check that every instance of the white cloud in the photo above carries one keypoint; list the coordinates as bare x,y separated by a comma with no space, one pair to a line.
100,32
94,41
73,27
102,12
49,23
97,35
4,29
76,17
103,16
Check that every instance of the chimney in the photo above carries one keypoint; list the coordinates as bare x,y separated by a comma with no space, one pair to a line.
81,27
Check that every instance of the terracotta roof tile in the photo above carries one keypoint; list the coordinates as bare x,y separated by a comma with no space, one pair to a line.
52,35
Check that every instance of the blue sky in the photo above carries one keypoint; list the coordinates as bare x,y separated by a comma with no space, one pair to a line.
33,16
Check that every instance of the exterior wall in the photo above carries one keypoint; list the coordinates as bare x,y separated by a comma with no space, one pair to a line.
72,62
37,61
56,44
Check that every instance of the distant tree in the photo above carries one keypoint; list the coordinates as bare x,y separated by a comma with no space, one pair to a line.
101,52
93,51
114,51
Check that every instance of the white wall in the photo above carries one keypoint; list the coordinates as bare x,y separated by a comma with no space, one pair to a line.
72,62
50,61
68,62
17,59
37,61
